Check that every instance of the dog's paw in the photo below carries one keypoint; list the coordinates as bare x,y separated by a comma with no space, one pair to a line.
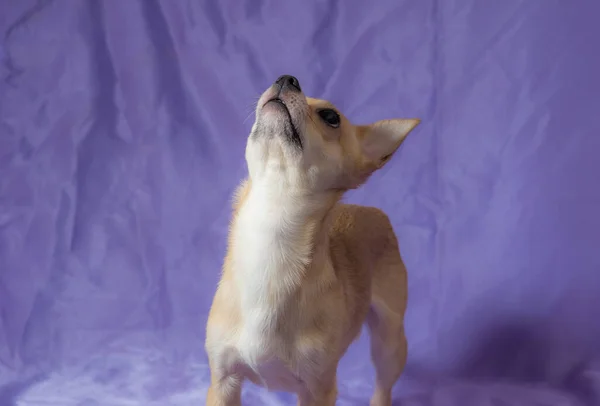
381,400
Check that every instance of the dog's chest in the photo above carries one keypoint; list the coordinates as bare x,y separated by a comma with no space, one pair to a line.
269,255
265,352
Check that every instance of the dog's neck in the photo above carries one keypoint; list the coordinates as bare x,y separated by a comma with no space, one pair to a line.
279,235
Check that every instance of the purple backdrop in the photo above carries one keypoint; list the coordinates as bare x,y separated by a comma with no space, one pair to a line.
122,131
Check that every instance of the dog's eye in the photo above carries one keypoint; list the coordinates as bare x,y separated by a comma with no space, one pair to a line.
330,117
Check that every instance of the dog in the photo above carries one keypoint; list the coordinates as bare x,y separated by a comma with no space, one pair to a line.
303,272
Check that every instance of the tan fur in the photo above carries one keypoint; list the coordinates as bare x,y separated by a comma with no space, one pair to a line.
354,272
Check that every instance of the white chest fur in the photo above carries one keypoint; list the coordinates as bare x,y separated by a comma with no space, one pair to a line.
272,246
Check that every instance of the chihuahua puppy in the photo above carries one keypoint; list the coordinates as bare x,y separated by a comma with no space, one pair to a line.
303,272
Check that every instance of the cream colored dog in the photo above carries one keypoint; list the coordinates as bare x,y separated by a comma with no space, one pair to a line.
303,272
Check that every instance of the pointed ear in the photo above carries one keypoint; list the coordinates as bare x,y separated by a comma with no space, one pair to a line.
380,140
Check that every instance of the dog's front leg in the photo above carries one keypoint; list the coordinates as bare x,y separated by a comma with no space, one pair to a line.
225,391
322,393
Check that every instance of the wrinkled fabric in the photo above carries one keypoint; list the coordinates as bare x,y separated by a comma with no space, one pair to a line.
122,134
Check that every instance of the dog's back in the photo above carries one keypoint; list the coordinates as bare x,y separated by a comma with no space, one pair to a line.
362,233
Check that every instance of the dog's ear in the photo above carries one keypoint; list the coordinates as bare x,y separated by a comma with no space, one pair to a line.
381,139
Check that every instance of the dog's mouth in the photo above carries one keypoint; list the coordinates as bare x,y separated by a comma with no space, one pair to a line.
295,135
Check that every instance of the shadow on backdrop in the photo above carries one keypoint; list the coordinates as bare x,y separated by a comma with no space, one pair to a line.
521,353
10,392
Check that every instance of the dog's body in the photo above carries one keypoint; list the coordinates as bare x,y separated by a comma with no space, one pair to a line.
303,272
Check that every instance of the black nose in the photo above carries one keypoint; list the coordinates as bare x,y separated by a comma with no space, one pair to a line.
288,80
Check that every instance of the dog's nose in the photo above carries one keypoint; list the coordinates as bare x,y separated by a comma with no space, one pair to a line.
288,81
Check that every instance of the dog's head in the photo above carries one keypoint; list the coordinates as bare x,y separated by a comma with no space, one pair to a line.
307,144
